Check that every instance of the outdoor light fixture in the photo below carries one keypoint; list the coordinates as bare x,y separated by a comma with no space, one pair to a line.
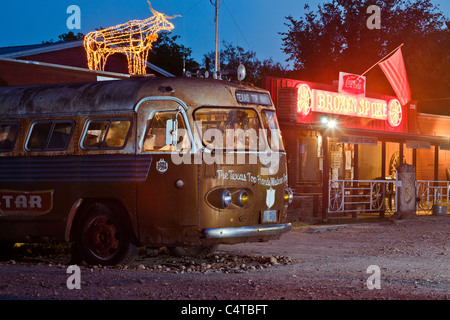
330,123
323,120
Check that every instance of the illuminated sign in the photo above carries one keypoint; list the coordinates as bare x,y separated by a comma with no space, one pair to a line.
395,113
133,38
304,100
352,84
251,97
347,105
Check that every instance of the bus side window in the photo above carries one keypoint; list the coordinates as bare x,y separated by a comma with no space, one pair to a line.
117,134
106,134
61,134
155,139
49,135
8,136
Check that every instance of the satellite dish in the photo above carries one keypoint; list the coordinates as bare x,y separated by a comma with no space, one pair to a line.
241,72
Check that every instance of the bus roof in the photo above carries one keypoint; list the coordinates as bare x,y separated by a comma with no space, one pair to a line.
115,95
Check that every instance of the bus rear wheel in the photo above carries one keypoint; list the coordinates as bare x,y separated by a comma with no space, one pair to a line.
197,252
103,237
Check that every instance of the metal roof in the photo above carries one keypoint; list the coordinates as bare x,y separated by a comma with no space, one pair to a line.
29,50
116,95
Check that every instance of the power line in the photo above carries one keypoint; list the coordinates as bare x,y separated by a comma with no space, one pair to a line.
190,9
236,24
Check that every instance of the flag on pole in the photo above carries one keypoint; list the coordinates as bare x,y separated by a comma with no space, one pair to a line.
395,71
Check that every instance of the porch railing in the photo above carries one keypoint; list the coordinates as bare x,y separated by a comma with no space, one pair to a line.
380,195
431,193
361,196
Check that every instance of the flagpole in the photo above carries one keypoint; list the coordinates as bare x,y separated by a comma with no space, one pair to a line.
382,59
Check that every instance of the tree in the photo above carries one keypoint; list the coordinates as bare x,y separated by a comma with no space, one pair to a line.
232,56
336,38
170,56
69,36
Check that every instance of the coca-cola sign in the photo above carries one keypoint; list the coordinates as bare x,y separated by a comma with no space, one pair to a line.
352,84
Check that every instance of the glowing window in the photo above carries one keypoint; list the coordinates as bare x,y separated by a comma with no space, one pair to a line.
156,137
106,134
228,128
273,130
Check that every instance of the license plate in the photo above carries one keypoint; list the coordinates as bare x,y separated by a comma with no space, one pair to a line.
270,216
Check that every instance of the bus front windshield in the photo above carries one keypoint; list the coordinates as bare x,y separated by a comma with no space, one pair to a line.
237,129
270,122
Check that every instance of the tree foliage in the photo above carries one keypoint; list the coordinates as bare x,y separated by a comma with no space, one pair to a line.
232,56
336,38
167,54
69,36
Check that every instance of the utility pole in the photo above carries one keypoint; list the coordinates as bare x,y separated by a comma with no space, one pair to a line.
217,62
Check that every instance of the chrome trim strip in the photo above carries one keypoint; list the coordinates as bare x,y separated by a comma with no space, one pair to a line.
251,231
91,168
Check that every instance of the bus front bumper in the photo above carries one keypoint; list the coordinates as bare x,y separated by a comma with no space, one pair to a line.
250,232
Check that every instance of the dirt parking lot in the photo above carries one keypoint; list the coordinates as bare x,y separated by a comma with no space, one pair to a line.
399,260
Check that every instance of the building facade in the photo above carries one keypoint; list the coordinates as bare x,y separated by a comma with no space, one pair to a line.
333,132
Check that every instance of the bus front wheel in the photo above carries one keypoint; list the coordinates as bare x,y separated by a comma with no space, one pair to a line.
103,237
197,252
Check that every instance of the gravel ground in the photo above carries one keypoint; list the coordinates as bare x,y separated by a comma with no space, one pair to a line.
411,258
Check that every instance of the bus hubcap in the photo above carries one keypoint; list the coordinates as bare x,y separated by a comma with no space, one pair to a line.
102,237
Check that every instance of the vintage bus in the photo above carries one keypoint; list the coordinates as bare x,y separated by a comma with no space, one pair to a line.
110,166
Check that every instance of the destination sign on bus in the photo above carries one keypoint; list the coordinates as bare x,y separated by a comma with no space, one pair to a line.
252,97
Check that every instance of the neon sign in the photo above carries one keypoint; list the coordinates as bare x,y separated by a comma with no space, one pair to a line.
347,105
304,100
395,113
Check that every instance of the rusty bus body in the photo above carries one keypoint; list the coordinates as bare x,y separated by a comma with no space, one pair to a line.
94,164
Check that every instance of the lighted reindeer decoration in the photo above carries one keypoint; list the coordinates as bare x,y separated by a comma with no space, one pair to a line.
133,38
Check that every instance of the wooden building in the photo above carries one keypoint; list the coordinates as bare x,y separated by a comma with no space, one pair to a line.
60,62
330,134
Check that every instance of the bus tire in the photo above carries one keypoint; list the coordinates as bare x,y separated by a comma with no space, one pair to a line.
197,252
102,237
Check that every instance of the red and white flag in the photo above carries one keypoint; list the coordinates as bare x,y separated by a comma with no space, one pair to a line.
395,71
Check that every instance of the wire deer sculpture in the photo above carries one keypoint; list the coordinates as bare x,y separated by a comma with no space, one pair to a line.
133,38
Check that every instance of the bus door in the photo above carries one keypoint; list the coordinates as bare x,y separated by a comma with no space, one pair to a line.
167,201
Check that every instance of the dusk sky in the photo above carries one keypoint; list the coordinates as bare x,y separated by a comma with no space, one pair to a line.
252,24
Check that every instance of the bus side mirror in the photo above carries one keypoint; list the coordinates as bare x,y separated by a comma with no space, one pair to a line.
171,132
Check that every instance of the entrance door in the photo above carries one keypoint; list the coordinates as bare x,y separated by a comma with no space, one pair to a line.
167,200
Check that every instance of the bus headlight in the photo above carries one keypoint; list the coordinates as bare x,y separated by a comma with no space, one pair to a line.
226,198
243,198
288,196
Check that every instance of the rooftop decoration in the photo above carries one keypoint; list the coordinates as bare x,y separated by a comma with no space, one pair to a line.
133,38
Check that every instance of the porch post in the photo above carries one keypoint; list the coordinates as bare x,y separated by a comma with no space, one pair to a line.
383,159
355,177
436,162
326,177
401,152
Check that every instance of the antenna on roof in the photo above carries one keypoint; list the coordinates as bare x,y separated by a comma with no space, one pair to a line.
217,61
